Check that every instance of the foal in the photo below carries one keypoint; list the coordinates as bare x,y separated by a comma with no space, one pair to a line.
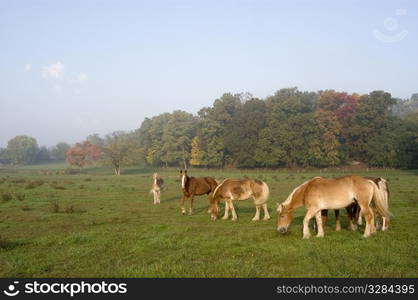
157,186
195,186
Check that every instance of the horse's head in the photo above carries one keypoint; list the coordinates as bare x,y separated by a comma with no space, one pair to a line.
214,199
183,178
284,218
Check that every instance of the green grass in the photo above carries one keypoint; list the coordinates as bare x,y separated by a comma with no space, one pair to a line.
100,225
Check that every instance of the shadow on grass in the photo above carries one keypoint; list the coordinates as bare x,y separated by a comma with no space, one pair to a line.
6,244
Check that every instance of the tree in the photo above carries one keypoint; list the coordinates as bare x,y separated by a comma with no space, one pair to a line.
42,155
116,149
22,150
59,151
83,154
195,155
95,139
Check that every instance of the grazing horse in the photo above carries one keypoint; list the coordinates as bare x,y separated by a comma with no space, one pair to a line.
384,189
195,186
157,186
353,210
231,189
321,193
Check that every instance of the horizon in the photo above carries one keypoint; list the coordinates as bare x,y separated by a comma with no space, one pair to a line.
76,68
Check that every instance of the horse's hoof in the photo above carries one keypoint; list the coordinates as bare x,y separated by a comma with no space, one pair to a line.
320,236
224,218
265,219
234,219
308,236
255,219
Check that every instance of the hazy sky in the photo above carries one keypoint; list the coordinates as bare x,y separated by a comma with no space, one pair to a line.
72,68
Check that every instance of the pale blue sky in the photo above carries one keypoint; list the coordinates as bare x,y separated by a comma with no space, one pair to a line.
71,68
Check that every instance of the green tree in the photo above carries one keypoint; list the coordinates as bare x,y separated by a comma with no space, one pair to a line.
59,151
22,150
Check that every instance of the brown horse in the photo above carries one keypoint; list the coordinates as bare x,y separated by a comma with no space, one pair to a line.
195,186
231,189
321,193
353,210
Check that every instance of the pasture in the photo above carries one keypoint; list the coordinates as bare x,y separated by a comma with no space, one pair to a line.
100,225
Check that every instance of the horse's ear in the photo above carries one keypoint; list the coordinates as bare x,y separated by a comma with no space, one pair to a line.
181,171
185,171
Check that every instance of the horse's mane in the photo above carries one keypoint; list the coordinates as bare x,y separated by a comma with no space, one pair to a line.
299,191
216,189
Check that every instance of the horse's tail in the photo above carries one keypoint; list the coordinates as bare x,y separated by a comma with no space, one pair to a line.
265,192
380,198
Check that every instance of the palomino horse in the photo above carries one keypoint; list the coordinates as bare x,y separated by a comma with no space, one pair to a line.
321,193
231,189
195,186
157,186
353,210
384,189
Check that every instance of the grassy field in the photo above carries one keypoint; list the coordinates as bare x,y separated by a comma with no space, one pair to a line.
100,225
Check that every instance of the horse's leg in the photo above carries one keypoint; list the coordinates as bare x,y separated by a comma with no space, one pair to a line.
369,218
324,216
309,214
226,214
191,204
257,213
351,213
159,197
209,197
153,193
183,210
234,214
266,212
318,217
337,220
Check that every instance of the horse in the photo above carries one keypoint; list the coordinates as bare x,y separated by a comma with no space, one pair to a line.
195,186
384,189
157,187
231,189
320,193
353,210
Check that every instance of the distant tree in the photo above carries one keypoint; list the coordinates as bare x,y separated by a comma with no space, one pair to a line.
83,154
42,155
116,150
59,151
95,139
4,156
22,150
195,155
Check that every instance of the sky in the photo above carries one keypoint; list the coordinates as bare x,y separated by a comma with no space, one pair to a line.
73,68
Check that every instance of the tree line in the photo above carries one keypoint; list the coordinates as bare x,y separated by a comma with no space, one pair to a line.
291,128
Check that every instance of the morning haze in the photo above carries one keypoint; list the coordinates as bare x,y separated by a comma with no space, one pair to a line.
73,68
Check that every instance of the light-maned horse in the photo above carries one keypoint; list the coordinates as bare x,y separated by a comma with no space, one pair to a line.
157,187
321,193
195,186
231,189
384,189
354,213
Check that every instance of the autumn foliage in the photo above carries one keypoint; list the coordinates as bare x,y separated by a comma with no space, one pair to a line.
83,154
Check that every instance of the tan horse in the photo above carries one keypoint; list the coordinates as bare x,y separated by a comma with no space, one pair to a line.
321,193
195,186
157,187
231,189
384,189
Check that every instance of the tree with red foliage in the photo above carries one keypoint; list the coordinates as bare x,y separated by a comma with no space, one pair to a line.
83,154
